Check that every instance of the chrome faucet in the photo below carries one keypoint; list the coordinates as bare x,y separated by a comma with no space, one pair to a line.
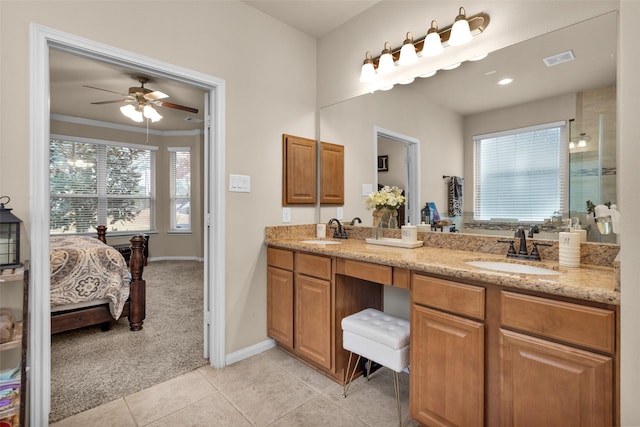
339,232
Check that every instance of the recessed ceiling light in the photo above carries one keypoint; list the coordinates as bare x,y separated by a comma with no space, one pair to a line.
504,82
559,58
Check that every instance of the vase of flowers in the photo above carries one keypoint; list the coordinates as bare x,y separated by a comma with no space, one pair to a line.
385,204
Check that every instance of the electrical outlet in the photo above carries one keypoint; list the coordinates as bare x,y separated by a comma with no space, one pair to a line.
286,214
340,213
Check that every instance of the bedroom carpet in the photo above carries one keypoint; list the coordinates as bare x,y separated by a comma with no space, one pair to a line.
90,367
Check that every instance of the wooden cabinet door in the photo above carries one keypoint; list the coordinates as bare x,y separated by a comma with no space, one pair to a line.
549,384
280,306
447,369
313,319
299,158
331,174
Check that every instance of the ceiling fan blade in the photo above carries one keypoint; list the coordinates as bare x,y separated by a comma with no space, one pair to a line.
176,106
156,94
111,102
106,90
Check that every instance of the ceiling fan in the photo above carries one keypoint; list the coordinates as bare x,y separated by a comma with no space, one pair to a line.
139,102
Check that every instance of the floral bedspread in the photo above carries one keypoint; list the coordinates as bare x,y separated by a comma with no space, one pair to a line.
85,269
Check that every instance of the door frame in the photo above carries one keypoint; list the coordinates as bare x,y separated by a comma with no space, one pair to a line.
412,168
39,356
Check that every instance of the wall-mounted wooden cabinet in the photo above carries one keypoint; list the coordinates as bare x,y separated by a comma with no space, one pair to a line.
331,174
299,170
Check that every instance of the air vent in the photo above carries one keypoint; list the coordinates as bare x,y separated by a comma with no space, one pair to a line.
559,58
193,119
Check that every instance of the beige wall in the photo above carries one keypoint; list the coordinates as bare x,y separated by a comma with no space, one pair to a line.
269,71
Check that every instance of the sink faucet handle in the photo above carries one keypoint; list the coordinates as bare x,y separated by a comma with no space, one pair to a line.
534,252
512,249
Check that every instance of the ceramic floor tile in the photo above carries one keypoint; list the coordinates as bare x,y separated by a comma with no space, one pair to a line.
214,410
114,414
303,372
163,399
318,412
260,389
374,401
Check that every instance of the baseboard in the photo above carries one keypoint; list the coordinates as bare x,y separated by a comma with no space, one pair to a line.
247,352
175,258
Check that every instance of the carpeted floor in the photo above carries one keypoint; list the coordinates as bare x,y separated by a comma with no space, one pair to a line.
90,367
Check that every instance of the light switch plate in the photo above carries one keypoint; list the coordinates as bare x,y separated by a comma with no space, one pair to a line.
340,213
286,214
367,189
240,183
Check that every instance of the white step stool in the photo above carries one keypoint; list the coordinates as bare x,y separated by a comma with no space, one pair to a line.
379,337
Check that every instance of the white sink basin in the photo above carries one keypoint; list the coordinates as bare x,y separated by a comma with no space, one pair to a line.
510,267
322,242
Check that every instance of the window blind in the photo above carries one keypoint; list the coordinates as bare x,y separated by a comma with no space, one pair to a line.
180,188
95,182
519,174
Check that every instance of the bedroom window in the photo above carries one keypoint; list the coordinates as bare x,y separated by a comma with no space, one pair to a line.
180,185
520,173
95,182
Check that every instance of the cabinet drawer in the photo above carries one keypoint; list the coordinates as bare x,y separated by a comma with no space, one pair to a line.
363,270
281,258
450,296
313,265
573,323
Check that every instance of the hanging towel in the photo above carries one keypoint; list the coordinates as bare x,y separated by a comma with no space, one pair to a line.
455,196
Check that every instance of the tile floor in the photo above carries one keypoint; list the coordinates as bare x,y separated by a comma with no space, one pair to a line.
269,389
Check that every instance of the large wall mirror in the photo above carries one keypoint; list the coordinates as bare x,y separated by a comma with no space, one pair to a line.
444,112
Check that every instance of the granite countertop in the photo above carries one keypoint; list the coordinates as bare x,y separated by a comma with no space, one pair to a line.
588,282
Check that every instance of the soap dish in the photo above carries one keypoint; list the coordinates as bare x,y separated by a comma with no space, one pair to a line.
398,243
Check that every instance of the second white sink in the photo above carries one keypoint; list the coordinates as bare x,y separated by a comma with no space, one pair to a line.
510,267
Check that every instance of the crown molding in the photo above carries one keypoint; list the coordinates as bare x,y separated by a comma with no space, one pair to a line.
127,128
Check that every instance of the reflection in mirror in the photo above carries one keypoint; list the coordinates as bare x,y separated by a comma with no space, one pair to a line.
446,111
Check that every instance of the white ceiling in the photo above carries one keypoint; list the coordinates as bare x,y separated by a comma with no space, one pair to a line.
468,89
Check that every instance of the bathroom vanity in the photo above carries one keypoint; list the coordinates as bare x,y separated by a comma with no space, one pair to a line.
487,347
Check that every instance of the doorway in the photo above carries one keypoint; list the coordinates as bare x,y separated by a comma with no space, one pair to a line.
407,177
42,40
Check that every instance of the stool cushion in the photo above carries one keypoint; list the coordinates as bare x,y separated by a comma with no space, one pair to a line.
379,327
396,359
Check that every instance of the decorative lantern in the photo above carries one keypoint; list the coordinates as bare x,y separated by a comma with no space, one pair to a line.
9,237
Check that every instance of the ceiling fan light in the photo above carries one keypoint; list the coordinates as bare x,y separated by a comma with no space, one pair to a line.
460,32
386,64
408,53
128,110
432,43
151,113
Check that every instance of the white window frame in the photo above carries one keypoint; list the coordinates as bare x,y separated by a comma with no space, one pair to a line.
531,216
173,198
101,190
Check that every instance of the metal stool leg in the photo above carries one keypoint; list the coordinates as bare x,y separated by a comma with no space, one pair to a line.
396,385
346,373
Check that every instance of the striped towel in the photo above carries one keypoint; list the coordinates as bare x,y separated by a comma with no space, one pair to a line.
455,196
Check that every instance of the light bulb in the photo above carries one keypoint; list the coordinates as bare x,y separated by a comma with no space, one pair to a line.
368,71
386,65
408,53
460,32
432,45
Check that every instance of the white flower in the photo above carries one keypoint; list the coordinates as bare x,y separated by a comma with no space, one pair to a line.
387,197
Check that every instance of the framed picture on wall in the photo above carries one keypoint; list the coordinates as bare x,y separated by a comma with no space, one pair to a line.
383,163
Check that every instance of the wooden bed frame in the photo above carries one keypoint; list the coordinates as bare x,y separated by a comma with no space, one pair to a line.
134,308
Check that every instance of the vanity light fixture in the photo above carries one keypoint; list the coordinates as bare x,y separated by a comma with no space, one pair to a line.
460,32
452,66
408,53
479,57
386,64
432,45
428,74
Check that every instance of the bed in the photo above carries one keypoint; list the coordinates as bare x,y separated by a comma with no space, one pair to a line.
92,285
